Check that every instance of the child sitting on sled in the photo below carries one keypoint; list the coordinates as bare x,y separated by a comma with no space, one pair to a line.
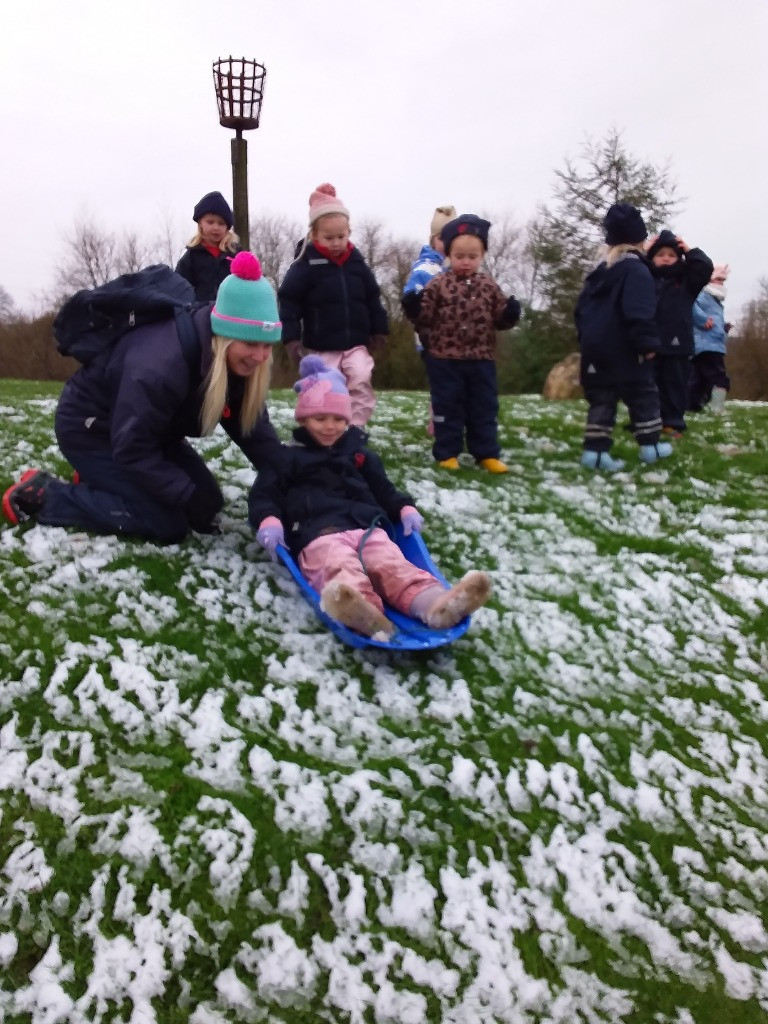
330,494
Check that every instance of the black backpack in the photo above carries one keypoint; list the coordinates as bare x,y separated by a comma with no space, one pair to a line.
90,323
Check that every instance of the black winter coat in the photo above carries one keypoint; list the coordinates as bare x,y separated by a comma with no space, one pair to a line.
615,319
330,308
676,289
204,271
313,489
145,401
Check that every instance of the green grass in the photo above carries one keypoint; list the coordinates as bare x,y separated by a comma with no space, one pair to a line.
210,810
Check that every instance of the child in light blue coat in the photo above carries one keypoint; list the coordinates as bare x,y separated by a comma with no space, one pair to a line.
709,383
428,264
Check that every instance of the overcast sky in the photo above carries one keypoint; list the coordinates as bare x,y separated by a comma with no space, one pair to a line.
108,112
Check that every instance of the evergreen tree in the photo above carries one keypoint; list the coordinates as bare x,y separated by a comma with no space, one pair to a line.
565,238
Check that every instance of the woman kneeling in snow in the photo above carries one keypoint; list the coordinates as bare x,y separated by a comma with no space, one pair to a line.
123,423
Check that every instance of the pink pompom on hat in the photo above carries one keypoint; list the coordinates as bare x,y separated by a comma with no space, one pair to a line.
246,304
324,201
322,391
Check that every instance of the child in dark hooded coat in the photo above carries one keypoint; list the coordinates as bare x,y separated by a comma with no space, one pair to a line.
616,322
680,273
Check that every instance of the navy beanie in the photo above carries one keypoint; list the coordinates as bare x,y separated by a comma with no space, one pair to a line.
466,224
666,240
214,202
624,225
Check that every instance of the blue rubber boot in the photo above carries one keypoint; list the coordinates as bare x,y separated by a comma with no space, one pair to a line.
651,452
601,460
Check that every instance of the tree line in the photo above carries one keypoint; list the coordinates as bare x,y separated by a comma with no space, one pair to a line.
543,262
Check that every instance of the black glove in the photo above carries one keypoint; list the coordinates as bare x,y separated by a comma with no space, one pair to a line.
201,511
512,311
411,303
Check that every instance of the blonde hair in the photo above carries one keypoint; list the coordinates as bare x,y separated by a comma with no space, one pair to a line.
614,253
227,244
216,387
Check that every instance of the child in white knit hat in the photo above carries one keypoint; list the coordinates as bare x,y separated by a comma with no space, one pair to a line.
333,498
331,304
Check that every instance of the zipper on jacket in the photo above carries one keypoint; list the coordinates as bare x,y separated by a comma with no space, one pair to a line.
346,304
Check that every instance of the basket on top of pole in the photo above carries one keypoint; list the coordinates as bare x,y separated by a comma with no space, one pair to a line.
239,85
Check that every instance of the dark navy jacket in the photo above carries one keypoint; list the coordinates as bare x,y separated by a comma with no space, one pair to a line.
313,489
676,289
204,271
615,319
145,401
330,308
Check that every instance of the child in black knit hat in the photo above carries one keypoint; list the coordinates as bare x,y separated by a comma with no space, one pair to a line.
209,254
616,322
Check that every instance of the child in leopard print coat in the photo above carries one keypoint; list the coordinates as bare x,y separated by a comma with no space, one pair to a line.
461,311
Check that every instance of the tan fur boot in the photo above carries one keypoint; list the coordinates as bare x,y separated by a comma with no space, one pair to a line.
348,605
466,597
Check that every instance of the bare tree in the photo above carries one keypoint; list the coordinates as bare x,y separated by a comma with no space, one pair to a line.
373,241
506,259
747,357
92,258
132,253
274,238
167,246
7,307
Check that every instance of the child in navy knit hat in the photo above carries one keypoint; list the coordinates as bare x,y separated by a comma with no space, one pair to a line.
209,254
616,322
333,497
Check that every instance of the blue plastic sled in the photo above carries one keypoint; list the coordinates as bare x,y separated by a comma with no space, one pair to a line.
410,634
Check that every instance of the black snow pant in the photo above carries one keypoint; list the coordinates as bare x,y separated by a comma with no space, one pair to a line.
465,400
707,371
107,500
672,372
641,399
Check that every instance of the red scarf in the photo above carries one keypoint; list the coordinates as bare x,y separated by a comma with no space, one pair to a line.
214,250
338,260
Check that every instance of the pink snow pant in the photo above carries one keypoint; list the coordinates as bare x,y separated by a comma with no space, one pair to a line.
390,574
356,365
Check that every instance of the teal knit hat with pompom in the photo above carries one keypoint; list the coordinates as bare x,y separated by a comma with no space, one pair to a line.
246,304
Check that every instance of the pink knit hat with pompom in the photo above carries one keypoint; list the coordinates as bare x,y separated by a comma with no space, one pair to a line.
324,201
322,391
